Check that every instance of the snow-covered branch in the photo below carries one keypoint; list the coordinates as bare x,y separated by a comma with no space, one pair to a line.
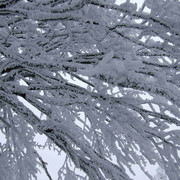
100,80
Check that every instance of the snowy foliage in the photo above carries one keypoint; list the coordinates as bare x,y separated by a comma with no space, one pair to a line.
100,80
160,175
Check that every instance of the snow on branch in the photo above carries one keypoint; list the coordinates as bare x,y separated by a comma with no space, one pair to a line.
100,80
